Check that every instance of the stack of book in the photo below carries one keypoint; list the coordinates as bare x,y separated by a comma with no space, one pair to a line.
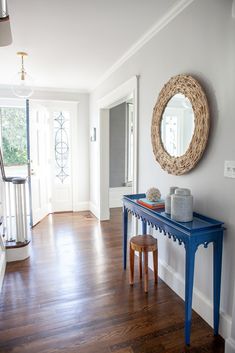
152,204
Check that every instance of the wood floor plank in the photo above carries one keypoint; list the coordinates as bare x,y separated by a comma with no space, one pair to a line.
73,296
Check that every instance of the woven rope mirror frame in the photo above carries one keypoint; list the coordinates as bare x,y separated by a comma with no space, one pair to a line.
190,88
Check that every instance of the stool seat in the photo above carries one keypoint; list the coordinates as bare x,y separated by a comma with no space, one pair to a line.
143,244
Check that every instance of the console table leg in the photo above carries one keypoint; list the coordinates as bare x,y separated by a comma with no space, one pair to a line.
189,275
124,224
217,264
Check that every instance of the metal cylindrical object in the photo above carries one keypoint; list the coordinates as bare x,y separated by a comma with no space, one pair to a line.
4,208
3,9
9,229
25,213
20,209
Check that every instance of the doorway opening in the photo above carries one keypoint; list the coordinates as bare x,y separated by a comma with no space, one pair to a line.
53,146
120,152
38,140
126,98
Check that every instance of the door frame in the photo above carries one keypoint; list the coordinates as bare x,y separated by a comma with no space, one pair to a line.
117,96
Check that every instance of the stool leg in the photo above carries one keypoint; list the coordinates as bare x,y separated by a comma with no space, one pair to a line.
155,265
132,264
146,275
140,264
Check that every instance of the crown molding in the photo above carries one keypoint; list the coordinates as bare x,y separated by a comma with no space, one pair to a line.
61,89
159,25
6,87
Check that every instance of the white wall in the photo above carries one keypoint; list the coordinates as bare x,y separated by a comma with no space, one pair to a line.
199,41
82,157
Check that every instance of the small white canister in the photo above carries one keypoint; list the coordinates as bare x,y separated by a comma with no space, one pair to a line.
182,205
168,199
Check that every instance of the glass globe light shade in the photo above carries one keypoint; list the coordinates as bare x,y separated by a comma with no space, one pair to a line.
22,85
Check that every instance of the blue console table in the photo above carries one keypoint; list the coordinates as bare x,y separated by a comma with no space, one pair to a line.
201,231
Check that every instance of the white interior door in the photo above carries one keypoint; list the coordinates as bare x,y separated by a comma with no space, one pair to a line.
39,161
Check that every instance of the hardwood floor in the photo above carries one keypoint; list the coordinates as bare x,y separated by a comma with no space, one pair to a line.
72,296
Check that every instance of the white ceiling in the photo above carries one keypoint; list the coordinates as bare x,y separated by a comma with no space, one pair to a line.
72,43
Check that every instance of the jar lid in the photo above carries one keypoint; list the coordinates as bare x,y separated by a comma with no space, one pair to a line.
183,192
172,189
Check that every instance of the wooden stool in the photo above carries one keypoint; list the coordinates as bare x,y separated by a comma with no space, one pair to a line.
143,244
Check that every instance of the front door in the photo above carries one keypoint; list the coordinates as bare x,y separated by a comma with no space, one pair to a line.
39,161
63,157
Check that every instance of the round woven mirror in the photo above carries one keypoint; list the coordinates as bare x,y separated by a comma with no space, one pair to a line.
180,125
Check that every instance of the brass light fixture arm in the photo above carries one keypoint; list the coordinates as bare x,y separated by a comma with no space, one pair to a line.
22,54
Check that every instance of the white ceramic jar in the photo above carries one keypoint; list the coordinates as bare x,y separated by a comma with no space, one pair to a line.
182,205
168,199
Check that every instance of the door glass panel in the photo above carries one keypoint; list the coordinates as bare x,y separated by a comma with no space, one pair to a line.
62,146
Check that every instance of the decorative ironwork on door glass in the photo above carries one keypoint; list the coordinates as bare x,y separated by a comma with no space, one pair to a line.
61,127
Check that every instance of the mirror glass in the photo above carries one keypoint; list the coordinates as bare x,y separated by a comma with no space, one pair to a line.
177,125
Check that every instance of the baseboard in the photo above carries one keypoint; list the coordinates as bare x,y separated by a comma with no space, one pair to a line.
81,206
94,209
229,345
2,268
202,305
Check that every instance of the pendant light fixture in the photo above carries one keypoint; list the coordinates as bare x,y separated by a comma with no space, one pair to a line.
22,85
5,28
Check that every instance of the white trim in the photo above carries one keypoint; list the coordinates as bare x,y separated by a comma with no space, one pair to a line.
104,104
49,101
74,114
202,305
94,209
119,94
13,102
104,164
61,90
48,89
230,345
81,206
159,25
